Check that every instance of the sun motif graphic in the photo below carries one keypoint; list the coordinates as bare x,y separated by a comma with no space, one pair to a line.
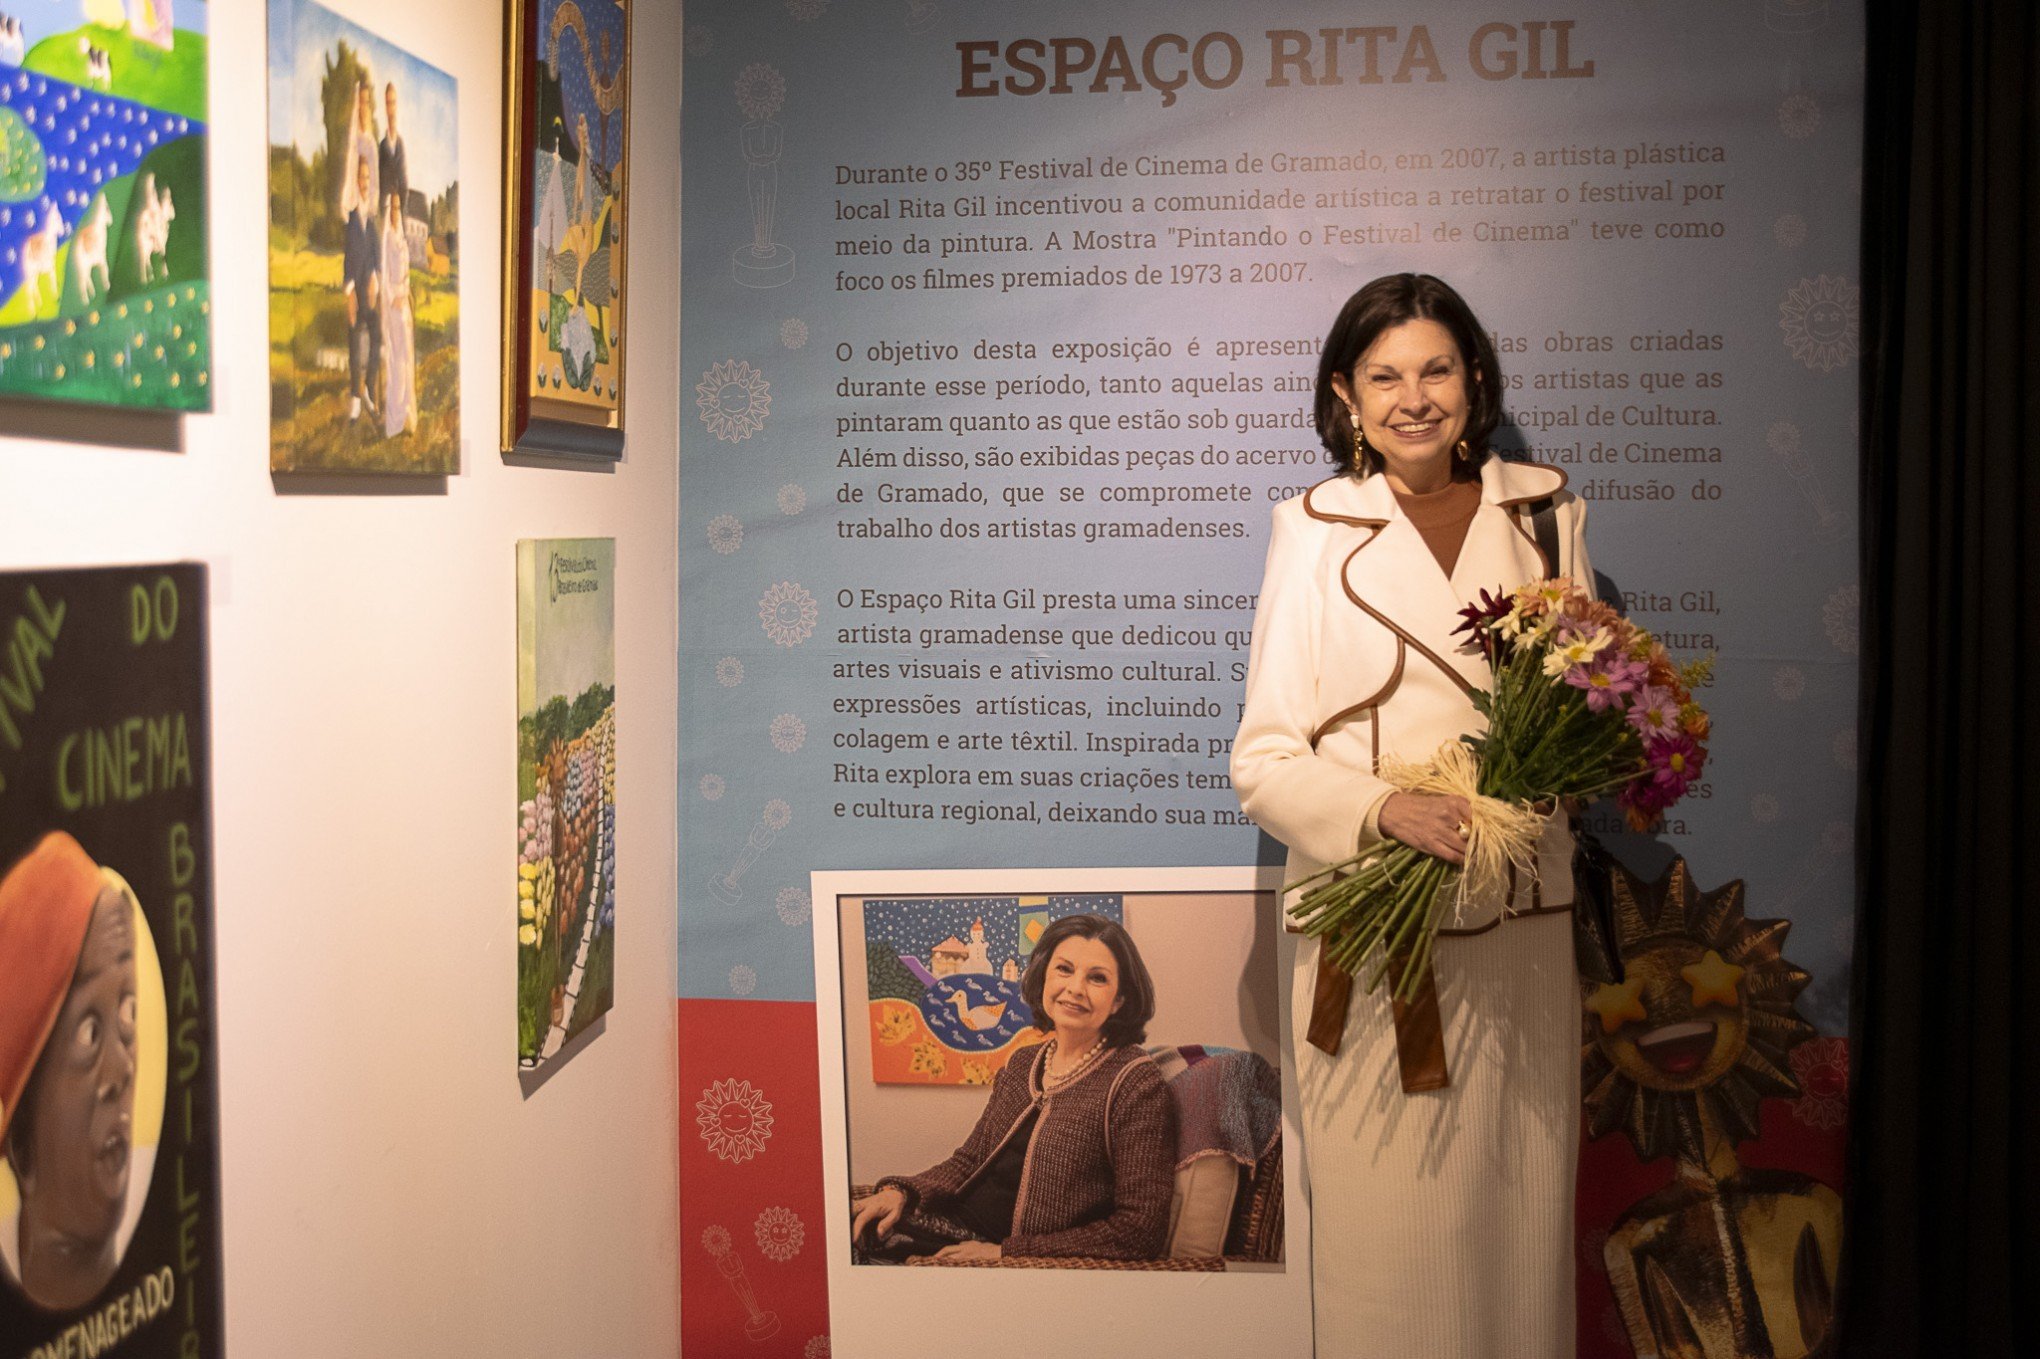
806,10
1798,116
761,91
716,1240
700,40
725,533
729,672
1789,231
1822,1067
1763,807
1820,317
736,1122
788,612
1837,837
743,979
1838,616
789,733
1789,683
780,1234
794,906
792,499
712,787
793,332
777,815
733,399
817,1348
1702,1024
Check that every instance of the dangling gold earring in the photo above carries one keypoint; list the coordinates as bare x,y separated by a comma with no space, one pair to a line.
1464,455
1359,438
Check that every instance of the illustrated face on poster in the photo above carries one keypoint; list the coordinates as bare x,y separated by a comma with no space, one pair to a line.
934,995
104,293
364,279
943,980
105,935
566,791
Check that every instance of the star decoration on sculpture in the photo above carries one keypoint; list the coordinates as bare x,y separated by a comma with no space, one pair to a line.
1713,980
1617,1003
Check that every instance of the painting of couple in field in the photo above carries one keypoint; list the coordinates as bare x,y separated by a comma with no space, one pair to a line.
364,201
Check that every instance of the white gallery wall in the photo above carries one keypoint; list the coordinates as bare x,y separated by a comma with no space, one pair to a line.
388,1188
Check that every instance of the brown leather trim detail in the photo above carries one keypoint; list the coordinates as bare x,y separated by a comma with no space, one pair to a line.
1420,1037
1563,482
1331,989
1373,700
1516,515
1390,623
1328,517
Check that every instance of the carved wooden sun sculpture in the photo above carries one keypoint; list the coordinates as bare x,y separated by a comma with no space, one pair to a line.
1705,1006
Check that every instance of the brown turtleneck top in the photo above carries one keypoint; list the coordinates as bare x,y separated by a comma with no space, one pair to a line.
1443,517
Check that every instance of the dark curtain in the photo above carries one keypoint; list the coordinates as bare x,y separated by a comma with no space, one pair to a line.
1946,1133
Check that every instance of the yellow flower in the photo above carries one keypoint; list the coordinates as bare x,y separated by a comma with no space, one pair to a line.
527,935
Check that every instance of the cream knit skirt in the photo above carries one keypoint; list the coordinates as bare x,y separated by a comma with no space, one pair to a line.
1442,1223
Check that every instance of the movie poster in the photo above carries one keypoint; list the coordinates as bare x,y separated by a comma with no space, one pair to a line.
364,268
566,791
109,1160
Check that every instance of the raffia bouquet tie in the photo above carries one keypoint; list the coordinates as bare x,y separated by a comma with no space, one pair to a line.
1399,897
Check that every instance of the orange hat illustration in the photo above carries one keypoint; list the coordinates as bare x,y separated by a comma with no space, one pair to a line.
45,906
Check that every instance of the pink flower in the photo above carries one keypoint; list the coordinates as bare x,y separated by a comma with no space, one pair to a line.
1675,762
1608,681
1654,712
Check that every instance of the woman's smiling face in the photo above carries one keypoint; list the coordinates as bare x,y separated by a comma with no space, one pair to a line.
1411,392
1081,989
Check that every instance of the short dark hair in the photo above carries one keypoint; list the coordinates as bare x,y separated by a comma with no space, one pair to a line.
1128,1024
1387,302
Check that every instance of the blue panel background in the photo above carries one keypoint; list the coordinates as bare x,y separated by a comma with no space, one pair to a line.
1776,82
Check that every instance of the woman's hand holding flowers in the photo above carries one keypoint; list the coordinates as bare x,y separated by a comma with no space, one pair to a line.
1434,824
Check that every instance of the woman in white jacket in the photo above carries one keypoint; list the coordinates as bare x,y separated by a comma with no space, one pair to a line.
1441,1135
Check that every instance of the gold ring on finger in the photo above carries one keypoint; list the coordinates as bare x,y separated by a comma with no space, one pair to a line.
1463,830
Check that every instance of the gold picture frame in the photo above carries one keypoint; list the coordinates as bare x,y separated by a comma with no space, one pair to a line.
566,155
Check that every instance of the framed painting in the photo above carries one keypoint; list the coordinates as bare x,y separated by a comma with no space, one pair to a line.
566,233
104,281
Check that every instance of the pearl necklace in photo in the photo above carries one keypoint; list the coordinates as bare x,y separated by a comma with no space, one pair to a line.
1084,1063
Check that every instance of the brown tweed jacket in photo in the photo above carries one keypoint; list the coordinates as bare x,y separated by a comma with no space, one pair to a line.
1100,1168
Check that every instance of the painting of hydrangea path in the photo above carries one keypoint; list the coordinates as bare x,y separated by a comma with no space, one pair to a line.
566,791
104,295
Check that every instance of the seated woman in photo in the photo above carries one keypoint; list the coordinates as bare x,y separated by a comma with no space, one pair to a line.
1075,1154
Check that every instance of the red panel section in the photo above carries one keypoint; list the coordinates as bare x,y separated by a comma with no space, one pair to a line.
753,1277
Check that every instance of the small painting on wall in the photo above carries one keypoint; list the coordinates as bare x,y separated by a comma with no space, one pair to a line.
566,791
364,235
568,141
104,294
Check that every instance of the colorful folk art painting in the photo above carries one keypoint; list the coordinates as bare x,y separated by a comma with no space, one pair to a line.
104,293
566,791
570,111
364,236
943,982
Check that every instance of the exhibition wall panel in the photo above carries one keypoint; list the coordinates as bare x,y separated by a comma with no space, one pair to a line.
389,1186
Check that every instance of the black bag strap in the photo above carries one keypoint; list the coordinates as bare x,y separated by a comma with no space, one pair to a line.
1544,527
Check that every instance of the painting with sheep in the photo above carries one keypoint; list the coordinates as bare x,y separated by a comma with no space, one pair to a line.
104,291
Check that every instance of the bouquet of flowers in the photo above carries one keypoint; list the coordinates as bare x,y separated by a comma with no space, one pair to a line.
1584,704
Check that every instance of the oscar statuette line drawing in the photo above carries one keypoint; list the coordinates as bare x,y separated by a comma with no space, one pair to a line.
1786,441
760,1323
774,819
761,262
